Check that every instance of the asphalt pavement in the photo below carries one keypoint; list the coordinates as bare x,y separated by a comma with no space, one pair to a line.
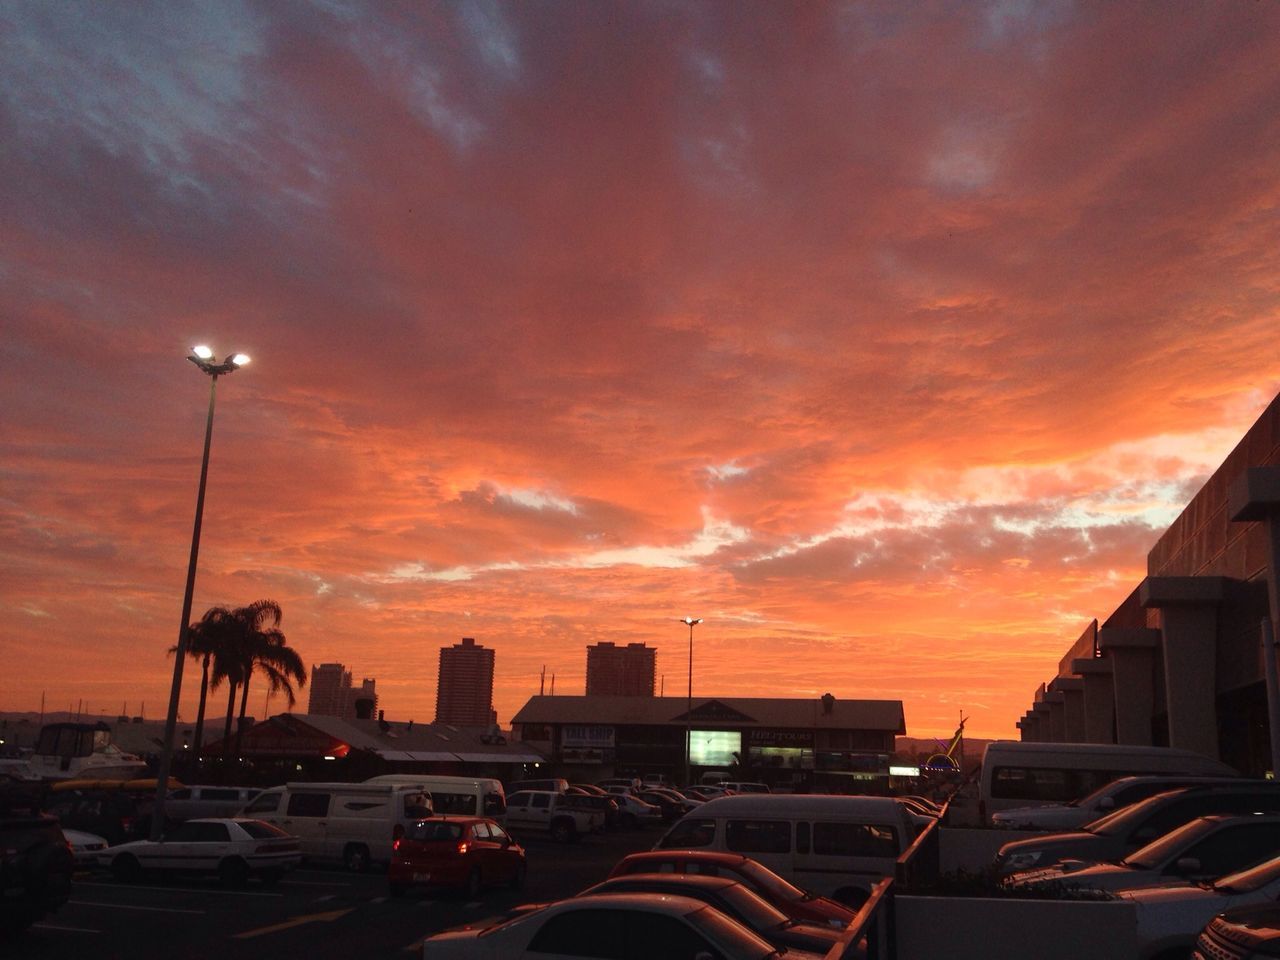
315,914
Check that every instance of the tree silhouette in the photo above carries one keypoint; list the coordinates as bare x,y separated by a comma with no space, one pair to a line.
212,639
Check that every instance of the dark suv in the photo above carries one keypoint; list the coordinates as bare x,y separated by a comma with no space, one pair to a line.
1120,833
115,815
35,859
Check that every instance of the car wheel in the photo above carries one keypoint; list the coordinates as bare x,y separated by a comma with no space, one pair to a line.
395,889
356,857
562,831
517,877
475,883
126,868
233,872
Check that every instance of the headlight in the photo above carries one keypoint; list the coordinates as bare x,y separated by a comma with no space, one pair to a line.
1023,860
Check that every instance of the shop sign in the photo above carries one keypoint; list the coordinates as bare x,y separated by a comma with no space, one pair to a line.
586,735
802,739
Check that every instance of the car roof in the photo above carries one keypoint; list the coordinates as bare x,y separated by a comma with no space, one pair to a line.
701,880
656,902
710,856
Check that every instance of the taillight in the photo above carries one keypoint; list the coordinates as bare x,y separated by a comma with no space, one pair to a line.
462,847
395,844
126,824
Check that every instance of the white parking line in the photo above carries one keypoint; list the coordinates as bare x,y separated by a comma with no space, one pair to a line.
131,906
206,891
61,928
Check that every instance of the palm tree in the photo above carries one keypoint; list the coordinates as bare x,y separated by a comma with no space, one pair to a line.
261,647
211,639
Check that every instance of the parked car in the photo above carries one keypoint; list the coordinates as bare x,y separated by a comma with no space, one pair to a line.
1171,918
464,796
353,824
189,803
1205,848
744,786
631,783
1123,831
734,899
634,812
786,896
466,853
640,925
554,784
35,860
588,788
836,845
668,806
1245,933
545,810
116,815
595,803
234,849
1107,798
85,847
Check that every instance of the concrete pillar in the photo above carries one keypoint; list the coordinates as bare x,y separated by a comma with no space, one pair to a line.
1024,729
1099,698
1131,652
1189,633
1072,690
1030,726
1255,496
1044,734
1057,717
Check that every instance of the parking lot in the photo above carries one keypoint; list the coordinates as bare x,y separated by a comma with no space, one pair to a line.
312,913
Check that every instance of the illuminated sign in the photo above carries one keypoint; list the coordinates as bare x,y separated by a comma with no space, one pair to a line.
904,771
714,748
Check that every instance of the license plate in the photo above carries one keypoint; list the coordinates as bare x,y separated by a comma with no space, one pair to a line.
421,877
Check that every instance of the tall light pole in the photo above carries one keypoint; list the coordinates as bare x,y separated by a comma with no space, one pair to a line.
203,358
688,713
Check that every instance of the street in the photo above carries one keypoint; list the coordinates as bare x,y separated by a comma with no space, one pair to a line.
312,913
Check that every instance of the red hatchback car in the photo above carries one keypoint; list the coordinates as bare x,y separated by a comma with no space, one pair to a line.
785,896
466,853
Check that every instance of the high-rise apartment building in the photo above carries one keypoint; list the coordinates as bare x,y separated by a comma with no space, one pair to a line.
333,696
620,671
464,693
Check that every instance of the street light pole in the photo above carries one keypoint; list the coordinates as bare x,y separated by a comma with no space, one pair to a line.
203,358
688,713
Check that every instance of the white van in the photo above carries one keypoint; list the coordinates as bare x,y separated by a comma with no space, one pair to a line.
199,800
1029,774
466,796
833,845
349,823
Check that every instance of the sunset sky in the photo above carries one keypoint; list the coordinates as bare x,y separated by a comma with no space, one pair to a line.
885,337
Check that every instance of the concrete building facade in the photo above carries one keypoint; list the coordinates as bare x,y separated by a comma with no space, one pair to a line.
464,691
1180,662
620,671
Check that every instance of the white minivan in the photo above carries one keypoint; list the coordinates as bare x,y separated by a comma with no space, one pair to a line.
836,846
1019,773
466,796
349,823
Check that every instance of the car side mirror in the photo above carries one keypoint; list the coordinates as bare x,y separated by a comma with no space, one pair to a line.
1107,803
1187,866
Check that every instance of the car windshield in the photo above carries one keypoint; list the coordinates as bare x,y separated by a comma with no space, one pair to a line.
765,879
261,830
1162,850
723,931
1122,821
1246,881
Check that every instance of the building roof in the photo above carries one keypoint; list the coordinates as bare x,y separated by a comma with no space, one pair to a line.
410,741
884,715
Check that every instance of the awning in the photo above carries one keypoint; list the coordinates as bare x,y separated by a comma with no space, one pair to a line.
418,756
499,758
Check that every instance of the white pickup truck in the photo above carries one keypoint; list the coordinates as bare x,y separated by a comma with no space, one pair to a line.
544,810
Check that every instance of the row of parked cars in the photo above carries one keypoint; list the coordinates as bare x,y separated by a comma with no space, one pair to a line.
667,903
1188,852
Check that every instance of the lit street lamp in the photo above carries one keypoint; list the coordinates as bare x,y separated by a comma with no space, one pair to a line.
688,713
203,358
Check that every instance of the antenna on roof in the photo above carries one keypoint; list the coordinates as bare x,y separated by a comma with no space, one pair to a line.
553,684
542,681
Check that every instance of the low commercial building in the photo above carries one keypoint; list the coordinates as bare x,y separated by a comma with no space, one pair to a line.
824,743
